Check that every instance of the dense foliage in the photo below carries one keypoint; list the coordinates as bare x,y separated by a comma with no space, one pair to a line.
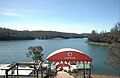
113,58
8,34
35,53
112,38
106,37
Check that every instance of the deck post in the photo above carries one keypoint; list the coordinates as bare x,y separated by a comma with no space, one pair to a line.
17,71
90,71
6,73
41,70
34,70
84,69
37,73
50,69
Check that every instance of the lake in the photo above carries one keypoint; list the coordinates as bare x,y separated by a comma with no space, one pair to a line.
15,51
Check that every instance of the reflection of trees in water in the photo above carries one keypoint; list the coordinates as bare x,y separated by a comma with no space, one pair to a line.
113,58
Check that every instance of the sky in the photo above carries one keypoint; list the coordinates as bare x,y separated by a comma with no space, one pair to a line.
75,16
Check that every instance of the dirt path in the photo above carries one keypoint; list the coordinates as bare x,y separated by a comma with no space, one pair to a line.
62,74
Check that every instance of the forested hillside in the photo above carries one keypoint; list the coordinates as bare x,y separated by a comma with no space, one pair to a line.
106,37
112,38
8,34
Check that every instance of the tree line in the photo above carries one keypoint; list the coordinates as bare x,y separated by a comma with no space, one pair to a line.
112,38
9,34
106,37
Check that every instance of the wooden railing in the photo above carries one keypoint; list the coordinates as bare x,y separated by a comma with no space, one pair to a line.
15,67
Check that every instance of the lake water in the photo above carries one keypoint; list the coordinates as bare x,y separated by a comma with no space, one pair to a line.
15,51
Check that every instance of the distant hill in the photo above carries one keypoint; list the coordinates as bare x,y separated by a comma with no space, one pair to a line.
86,34
9,34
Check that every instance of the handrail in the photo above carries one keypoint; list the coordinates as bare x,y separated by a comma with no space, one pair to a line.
26,63
20,63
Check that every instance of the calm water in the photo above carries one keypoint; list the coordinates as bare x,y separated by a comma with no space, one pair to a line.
15,51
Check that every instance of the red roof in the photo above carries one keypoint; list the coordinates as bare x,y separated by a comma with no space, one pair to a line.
68,55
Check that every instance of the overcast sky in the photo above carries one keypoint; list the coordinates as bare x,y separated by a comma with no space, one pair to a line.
77,16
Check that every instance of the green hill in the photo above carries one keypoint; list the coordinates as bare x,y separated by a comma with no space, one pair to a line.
9,34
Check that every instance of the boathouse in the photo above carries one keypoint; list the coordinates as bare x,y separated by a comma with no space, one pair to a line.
68,56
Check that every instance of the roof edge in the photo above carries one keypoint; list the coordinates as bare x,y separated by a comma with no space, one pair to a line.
62,50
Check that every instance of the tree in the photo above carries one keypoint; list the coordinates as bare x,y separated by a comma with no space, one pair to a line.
114,55
94,36
112,38
35,53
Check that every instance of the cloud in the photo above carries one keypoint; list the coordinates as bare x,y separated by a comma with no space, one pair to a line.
15,12
12,14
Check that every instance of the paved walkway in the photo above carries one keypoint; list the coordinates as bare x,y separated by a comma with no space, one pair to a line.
62,74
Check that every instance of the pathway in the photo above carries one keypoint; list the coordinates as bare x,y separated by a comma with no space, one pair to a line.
62,74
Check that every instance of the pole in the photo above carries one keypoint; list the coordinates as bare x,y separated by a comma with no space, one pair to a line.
84,69
41,70
90,71
17,71
37,73
50,69
34,70
6,73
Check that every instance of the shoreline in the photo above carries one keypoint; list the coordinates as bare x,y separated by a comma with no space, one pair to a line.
97,43
104,76
94,75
